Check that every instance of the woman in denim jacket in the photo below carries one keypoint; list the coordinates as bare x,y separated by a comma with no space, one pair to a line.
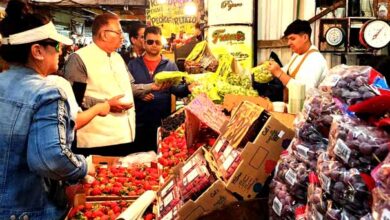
36,130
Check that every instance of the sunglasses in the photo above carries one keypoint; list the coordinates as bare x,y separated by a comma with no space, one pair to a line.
55,44
151,42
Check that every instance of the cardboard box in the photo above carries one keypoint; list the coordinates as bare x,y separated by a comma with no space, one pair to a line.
231,101
215,197
286,118
258,157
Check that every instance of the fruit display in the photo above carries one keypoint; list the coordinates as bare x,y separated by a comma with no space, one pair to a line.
261,73
319,110
307,153
280,203
229,162
122,181
236,79
350,84
294,175
358,145
205,138
347,187
172,123
316,201
172,77
195,182
108,210
172,150
169,202
381,194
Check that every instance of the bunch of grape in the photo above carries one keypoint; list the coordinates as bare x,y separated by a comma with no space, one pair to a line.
262,74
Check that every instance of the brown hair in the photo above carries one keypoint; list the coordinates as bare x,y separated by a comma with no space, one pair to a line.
102,20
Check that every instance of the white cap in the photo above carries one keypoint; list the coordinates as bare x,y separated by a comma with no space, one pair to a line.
47,31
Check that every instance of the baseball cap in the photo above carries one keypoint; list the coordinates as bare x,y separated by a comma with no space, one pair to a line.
298,27
47,31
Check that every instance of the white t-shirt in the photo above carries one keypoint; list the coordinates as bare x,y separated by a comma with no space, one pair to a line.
67,88
312,71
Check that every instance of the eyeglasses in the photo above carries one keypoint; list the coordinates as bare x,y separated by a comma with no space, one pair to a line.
151,42
116,32
55,44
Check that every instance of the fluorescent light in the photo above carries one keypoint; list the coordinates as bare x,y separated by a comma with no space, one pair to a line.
190,8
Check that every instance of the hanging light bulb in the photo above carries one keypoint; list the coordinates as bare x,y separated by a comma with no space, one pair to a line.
190,9
161,1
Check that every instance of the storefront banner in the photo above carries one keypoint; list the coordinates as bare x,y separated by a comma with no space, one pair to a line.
230,12
237,40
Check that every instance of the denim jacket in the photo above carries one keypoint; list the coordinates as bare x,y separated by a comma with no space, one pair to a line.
36,133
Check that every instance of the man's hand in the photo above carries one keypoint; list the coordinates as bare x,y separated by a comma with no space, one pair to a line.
148,97
103,108
274,68
161,87
116,106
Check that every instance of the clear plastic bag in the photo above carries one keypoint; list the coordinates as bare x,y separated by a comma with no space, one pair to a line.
307,153
357,145
280,203
350,84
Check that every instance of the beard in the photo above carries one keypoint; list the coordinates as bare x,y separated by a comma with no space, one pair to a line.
153,52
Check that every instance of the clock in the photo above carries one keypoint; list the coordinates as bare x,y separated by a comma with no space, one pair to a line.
334,36
375,34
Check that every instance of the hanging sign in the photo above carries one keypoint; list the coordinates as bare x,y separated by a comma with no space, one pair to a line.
170,16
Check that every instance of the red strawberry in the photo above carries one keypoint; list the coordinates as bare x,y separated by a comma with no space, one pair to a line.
88,206
96,191
88,214
149,216
105,217
117,209
97,213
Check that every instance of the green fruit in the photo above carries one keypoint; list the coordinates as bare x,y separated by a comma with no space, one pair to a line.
262,74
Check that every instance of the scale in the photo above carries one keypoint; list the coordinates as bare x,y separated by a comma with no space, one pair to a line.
335,36
375,34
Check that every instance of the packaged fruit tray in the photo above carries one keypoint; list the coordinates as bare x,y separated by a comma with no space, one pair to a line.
99,210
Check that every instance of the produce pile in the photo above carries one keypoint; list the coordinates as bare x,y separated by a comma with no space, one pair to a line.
172,77
109,210
171,123
200,59
331,169
224,81
262,74
171,151
192,179
122,181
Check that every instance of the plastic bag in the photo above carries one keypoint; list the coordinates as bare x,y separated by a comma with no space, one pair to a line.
280,202
307,153
357,145
351,84
261,73
316,200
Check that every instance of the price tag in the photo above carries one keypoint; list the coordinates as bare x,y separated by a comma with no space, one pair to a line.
281,134
277,206
168,199
168,216
227,151
291,177
385,214
228,162
325,182
187,166
342,150
191,176
167,188
219,145
331,80
302,151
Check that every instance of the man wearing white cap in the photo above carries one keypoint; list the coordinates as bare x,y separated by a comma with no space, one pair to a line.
36,129
97,74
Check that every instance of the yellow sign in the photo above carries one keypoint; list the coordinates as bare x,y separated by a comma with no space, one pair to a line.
170,17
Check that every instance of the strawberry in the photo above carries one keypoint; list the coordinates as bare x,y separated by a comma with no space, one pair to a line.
149,216
88,214
96,191
88,206
97,213
117,209
105,217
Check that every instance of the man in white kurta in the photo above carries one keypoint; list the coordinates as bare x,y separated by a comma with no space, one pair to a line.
99,74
